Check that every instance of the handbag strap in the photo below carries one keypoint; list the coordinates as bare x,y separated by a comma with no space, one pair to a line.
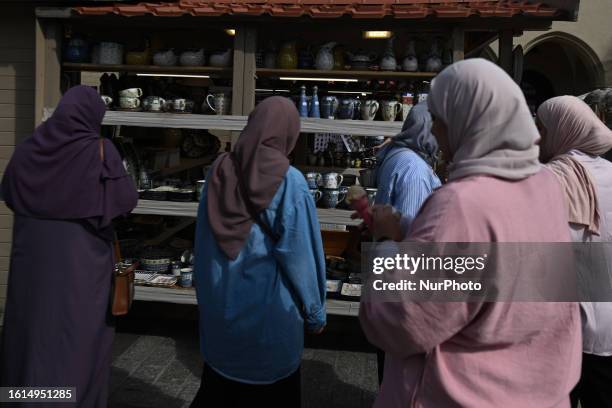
249,205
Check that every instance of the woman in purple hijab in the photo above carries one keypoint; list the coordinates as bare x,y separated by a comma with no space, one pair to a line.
65,185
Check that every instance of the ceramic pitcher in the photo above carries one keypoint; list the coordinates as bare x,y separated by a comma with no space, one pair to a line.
332,180
369,109
325,57
390,110
313,179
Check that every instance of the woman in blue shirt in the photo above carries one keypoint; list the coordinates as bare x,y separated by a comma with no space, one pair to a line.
404,176
260,267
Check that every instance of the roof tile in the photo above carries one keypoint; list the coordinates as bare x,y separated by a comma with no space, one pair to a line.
363,9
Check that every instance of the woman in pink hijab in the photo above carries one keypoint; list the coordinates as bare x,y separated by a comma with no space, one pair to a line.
573,138
480,354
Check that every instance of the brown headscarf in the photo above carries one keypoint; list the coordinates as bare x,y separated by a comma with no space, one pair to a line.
571,125
260,162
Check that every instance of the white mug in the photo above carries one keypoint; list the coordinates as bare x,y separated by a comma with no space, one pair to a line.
106,99
332,180
153,103
131,92
390,110
129,102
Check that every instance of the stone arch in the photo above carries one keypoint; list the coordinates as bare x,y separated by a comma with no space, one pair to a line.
559,63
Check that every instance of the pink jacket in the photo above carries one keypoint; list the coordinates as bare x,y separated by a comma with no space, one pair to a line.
443,355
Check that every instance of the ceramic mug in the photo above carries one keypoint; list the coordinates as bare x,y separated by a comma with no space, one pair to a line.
332,180
127,102
186,278
176,105
371,192
332,197
313,179
369,109
219,103
153,103
406,108
316,194
329,107
107,100
346,109
390,110
131,93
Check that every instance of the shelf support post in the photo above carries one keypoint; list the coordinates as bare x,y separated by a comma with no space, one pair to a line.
458,44
505,51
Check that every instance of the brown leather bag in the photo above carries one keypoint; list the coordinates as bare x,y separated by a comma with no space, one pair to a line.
122,293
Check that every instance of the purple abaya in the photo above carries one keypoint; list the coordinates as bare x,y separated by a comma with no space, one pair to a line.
57,328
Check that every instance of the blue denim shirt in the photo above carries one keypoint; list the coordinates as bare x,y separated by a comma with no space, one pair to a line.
253,309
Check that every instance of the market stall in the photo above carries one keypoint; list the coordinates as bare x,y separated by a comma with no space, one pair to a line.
180,78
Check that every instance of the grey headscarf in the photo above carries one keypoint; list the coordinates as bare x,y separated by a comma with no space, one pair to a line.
416,134
490,128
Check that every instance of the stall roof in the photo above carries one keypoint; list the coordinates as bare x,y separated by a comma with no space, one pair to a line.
362,9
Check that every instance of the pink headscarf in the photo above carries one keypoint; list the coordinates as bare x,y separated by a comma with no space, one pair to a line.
571,125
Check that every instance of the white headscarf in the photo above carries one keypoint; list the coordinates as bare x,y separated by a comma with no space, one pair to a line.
490,128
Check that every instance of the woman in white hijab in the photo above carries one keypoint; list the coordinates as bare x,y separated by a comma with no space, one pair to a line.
573,138
479,354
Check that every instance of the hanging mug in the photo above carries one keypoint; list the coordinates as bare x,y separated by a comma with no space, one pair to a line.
332,197
218,103
369,109
313,179
332,180
316,194
390,110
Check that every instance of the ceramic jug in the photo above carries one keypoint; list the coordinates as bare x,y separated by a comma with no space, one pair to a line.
346,109
410,63
388,61
325,57
221,59
192,58
288,58
329,107
434,62
390,110
369,109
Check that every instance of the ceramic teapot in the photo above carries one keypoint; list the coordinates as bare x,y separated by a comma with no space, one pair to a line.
434,62
411,62
388,61
221,59
361,60
192,58
165,58
287,57
325,57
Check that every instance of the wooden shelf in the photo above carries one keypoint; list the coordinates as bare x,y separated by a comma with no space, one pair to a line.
237,123
147,69
178,209
347,74
188,296
325,169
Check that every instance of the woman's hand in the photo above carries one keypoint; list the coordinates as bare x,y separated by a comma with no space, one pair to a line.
386,223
